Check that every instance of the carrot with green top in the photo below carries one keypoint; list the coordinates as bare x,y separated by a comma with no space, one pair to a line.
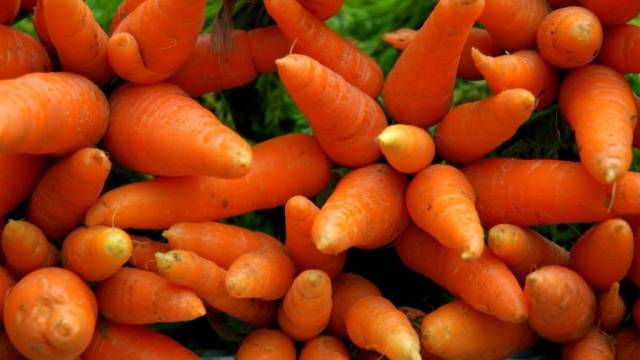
513,24
144,251
623,11
620,46
19,175
266,344
407,148
7,280
347,289
595,345
324,347
611,308
627,341
25,248
21,54
125,8
9,9
267,44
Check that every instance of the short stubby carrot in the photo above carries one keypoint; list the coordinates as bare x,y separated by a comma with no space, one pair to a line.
9,352
323,9
324,347
19,175
627,342
433,57
348,288
7,281
595,345
267,44
314,88
21,54
8,11
621,45
623,11
25,248
125,8
144,251
513,24
611,308
366,210
266,344
407,148
287,165
51,113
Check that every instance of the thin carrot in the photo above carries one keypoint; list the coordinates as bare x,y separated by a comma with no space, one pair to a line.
366,210
434,55
133,296
623,11
513,24
348,289
400,38
21,54
323,9
19,175
621,45
144,251
7,351
7,281
8,11
266,344
611,308
485,283
25,248
287,165
627,342
50,314
324,347
595,345
407,148
125,8
267,44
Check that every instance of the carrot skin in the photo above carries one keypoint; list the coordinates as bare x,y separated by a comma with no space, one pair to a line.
9,11
620,46
125,8
400,38
324,347
266,344
323,9
7,350
627,342
611,308
593,346
21,54
624,10
634,270
407,148
144,251
267,44
510,25
25,248
7,281
19,175
348,289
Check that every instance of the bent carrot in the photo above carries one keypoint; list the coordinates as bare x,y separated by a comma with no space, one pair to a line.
7,281
324,347
623,11
7,351
595,345
407,148
267,44
347,289
323,9
621,45
513,24
611,308
266,344
144,251
627,341
263,274
25,248
8,11
21,54
125,8
19,175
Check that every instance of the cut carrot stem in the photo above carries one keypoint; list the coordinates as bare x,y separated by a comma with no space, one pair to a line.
21,54
25,248
407,148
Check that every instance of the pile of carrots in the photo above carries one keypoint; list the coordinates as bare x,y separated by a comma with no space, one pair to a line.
78,283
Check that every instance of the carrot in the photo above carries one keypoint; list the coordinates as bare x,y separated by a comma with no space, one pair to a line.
561,305
407,148
524,250
623,11
19,175
440,196
513,24
324,347
595,345
188,269
485,283
7,281
299,214
313,38
524,69
8,11
472,130
323,9
7,351
40,26
25,248
627,342
66,191
50,314
434,55
266,344
133,296
287,165
366,210
51,113
347,290
143,252
611,308
128,342
598,104
267,44
141,54
163,120
314,88
400,38
125,8
621,45
21,54
556,4
458,331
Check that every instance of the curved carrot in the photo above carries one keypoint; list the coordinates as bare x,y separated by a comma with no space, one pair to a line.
314,89
595,345
267,44
481,40
323,9
263,274
485,283
144,251
287,165
7,281
433,56
407,148
8,11
324,347
623,11
19,175
513,24
621,45
133,296
366,210
25,248
125,8
8,351
51,206
348,289
440,196
611,308
50,314
266,344
627,341
21,54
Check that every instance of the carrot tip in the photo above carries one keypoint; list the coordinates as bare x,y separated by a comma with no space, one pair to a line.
12,230
118,244
611,175
236,284
164,261
389,138
469,255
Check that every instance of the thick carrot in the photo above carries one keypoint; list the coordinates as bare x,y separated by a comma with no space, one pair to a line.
266,344
621,45
366,210
324,347
311,37
323,9
25,248
128,342
19,175
627,342
524,69
51,113
595,345
440,196
7,281
458,331
144,251
599,105
9,10
66,191
472,130
433,56
524,250
348,289
407,148
8,352
141,54
299,214
623,11
485,283
267,44
513,24
50,314
315,88
125,8
611,308
133,296
287,165
21,54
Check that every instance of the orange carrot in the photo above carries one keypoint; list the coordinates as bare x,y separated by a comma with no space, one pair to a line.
611,308
8,11
627,342
323,9
561,305
623,11
144,251
407,148
25,248
51,113
524,250
524,69
127,342
19,175
598,104
400,38
7,351
634,270
313,38
164,121
621,45
513,24
125,8
299,214
314,89
21,54
440,196
556,4
267,44
40,26
366,210
485,283
266,344
50,314
433,56
472,130
133,296
7,281
481,40
595,345
141,54
324,347
287,165
348,289
66,191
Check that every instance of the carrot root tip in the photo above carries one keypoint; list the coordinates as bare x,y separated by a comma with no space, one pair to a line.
469,255
237,284
116,245
611,175
164,261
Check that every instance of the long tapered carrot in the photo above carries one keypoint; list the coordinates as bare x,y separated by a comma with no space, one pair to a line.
66,191
595,345
485,283
25,248
510,25
313,38
21,54
8,351
407,148
267,44
598,104
611,308
19,175
434,54
8,11
524,69
620,46
324,347
266,344
314,88
348,288
323,9
366,210
133,296
627,341
287,165
7,281
623,11
144,251
440,196
472,130
125,8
